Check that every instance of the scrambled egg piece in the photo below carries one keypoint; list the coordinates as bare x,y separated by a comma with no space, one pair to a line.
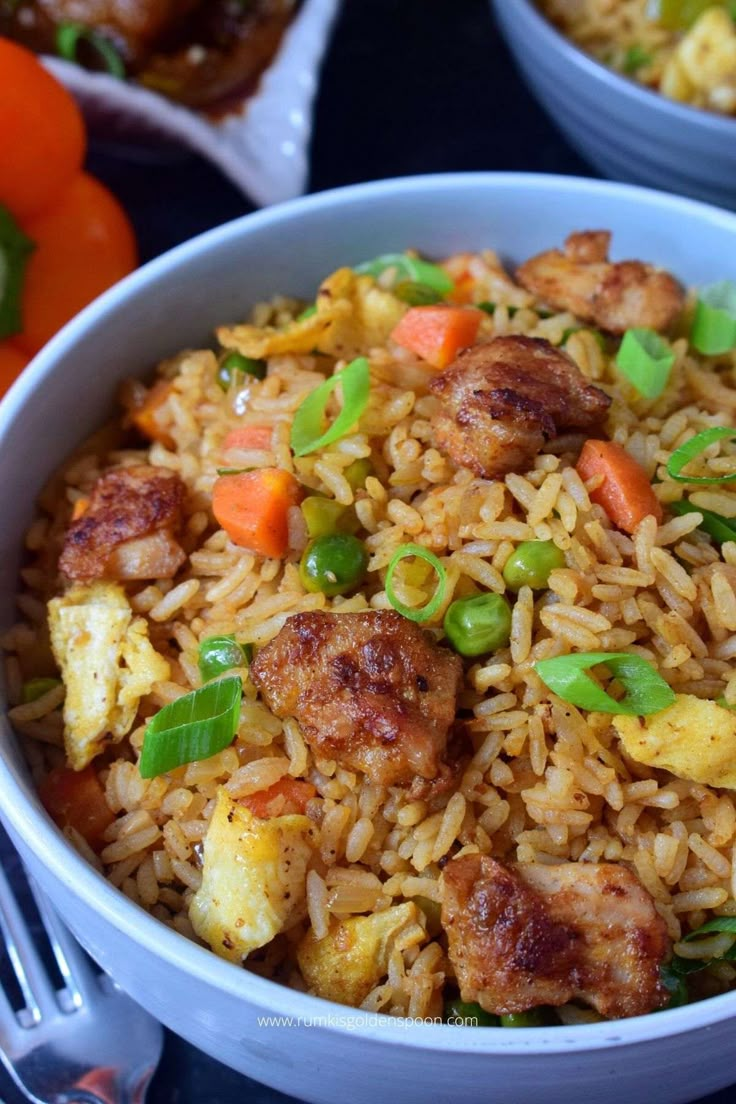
253,878
107,664
692,739
702,70
352,315
353,956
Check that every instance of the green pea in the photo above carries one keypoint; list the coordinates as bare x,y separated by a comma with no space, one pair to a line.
333,564
417,294
531,564
357,472
234,363
432,911
35,688
533,1018
468,1014
218,654
479,624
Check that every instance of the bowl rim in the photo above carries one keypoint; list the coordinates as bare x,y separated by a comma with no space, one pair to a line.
27,820
636,93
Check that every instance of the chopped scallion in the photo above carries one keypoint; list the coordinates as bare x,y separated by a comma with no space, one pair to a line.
193,727
416,294
721,529
714,325
646,690
15,249
35,688
646,360
427,611
307,431
409,268
698,444
69,36
234,364
636,57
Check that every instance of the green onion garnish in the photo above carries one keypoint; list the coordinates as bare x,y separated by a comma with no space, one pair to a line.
218,654
194,727
675,983
427,611
15,249
646,360
68,37
416,294
646,691
409,268
35,688
636,57
678,968
233,364
308,312
491,308
721,529
307,432
682,456
717,924
714,325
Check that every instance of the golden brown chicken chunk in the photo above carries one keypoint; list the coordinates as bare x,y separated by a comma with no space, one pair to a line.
503,400
371,690
530,934
616,297
129,528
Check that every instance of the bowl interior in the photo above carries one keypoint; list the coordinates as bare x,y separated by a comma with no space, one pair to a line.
175,301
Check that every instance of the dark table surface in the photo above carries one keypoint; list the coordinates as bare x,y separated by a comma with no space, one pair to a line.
408,86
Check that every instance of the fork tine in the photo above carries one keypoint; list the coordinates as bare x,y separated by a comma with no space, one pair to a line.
38,992
74,966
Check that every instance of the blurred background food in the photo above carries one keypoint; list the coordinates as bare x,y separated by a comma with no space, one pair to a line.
202,53
685,49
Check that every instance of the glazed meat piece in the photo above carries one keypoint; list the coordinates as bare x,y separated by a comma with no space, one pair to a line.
371,690
134,25
616,297
530,934
503,400
129,528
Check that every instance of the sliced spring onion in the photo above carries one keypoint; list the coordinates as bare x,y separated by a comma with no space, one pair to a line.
308,312
675,983
491,308
233,471
427,611
678,968
636,57
194,727
682,456
35,688
717,924
68,37
234,364
720,528
307,431
218,654
714,325
646,360
646,691
409,268
15,249
416,294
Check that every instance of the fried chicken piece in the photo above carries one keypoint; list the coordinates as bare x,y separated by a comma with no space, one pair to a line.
129,529
531,934
371,690
504,399
616,297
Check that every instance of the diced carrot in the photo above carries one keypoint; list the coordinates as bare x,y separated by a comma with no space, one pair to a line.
271,802
76,799
80,508
438,333
463,291
252,507
144,418
248,437
625,493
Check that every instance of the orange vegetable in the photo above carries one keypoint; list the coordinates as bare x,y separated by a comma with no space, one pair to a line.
12,363
248,437
293,792
463,291
76,799
252,507
41,131
84,244
145,419
80,508
625,493
438,333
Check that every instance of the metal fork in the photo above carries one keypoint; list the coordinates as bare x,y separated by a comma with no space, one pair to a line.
85,1041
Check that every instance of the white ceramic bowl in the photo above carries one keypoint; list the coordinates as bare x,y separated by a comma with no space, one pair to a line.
626,130
262,146
335,1054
